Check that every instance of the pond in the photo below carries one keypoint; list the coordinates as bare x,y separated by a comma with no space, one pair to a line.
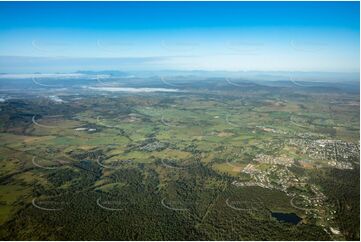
287,217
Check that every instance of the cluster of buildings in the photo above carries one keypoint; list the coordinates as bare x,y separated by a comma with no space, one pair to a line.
339,154
277,175
268,159
153,146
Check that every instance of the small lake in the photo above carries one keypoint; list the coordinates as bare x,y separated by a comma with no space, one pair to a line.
287,217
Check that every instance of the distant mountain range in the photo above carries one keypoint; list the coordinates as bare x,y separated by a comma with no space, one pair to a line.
243,75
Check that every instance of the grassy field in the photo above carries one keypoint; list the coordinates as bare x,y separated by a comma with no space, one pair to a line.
175,161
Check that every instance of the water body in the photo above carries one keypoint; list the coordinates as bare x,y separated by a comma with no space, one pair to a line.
287,217
132,89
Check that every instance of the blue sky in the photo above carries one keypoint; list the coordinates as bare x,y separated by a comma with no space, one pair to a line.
234,36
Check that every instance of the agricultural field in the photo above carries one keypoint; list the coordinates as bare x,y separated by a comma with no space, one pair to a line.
205,162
